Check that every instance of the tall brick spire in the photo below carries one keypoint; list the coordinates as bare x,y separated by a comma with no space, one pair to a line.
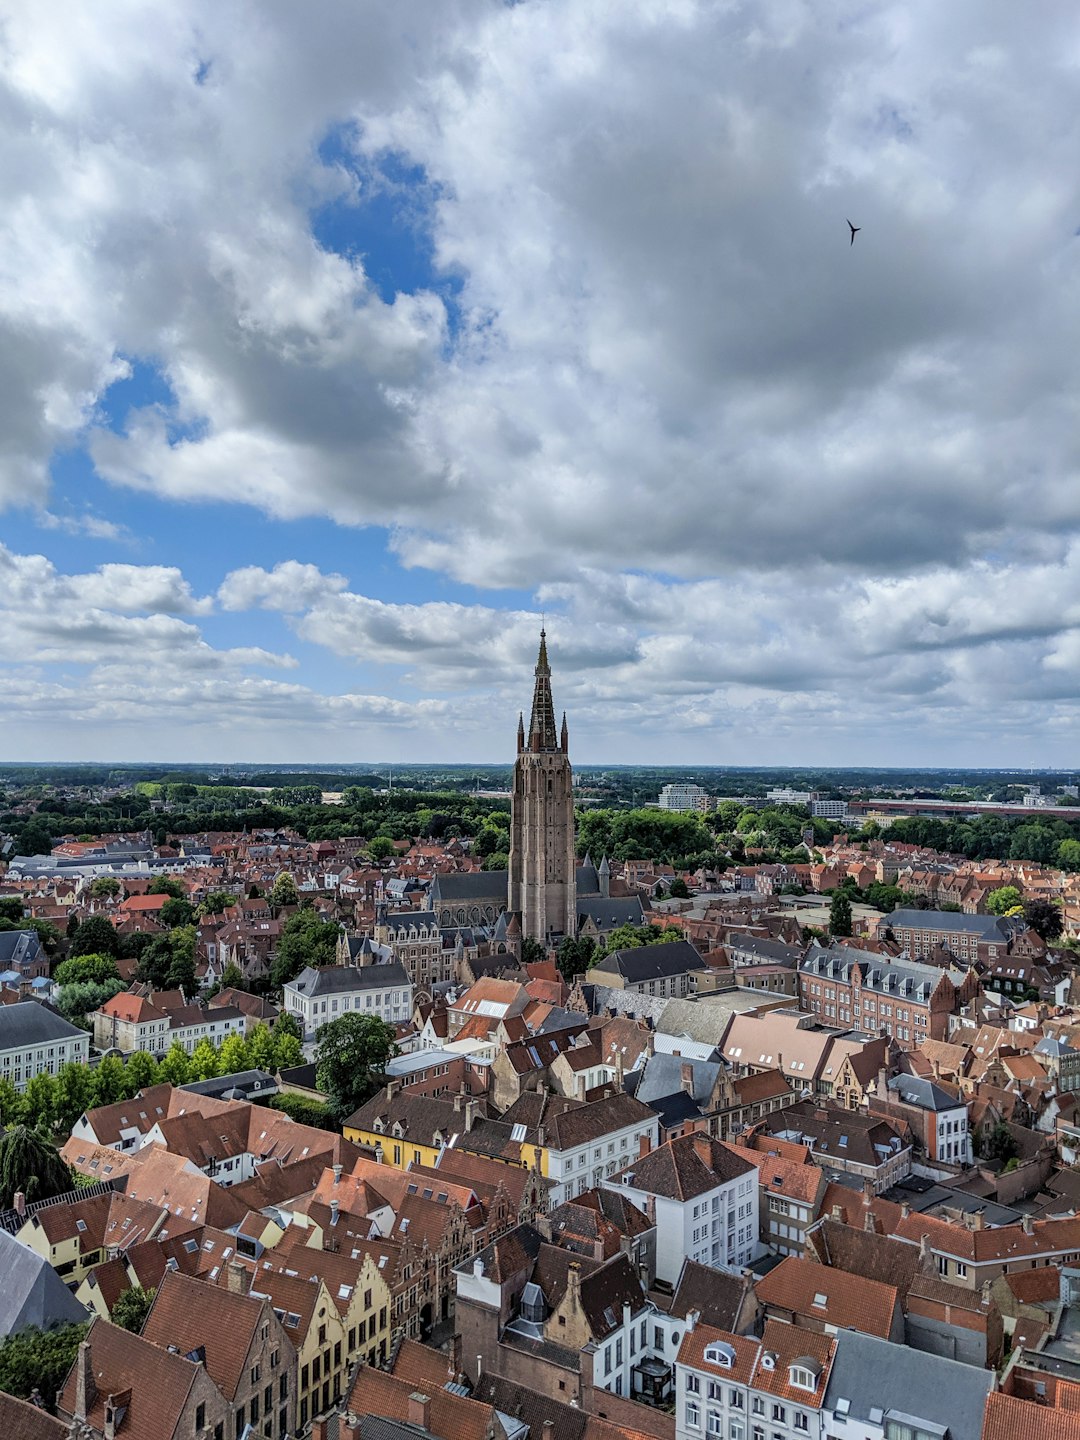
543,737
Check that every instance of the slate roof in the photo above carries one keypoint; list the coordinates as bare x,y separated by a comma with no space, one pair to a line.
469,886
922,1093
643,963
29,1023
609,913
662,1076
32,1292
19,947
339,979
875,1375
986,927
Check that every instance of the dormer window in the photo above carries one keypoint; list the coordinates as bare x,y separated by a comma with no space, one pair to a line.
720,1353
803,1375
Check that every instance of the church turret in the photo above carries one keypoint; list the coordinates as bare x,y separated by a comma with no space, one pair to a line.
521,732
604,876
542,884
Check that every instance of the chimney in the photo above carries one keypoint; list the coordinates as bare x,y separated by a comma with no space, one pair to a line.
573,1285
453,1368
703,1146
337,1174
837,1213
905,1210
85,1389
867,1191
984,1292
378,1152
237,1279
686,1077
1027,1226
581,1087
459,1101
549,1430
471,1108
644,1145
926,1258
882,1082
334,1208
870,1222
419,1410
19,1203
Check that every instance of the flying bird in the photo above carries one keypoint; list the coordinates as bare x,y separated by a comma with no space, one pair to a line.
854,231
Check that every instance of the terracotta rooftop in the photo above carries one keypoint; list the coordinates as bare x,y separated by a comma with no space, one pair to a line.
833,1297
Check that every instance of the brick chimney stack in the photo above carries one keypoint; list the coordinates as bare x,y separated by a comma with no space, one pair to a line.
85,1389
419,1412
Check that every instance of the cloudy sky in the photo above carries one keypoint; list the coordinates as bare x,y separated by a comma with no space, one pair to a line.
339,342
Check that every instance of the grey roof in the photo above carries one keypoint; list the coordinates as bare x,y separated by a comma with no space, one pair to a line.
608,914
772,952
396,920
875,1375
898,977
602,998
32,1292
243,1083
31,1023
19,947
587,878
470,886
986,927
1053,1045
642,963
705,1022
913,1090
662,1076
338,979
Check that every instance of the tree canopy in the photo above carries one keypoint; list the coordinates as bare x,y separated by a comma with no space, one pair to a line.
351,1059
306,939
30,1165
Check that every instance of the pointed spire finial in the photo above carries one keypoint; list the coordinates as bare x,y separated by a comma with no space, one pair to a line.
542,735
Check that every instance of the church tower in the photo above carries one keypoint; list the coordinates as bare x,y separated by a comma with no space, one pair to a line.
542,887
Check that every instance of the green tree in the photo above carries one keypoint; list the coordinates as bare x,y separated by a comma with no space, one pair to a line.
95,936
42,1101
142,1071
11,908
175,913
306,939
380,848
105,887
204,1061
233,1055
1003,899
1068,856
999,1144
629,937
232,977
110,1081
132,1308
260,1048
351,1059
12,1104
176,1067
304,1110
77,1001
216,902
91,969
1045,918
74,1093
575,955
532,952
167,885
288,1051
840,914
284,891
40,1360
286,1023
679,889
30,1165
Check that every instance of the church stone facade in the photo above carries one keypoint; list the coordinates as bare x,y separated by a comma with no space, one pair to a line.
542,887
